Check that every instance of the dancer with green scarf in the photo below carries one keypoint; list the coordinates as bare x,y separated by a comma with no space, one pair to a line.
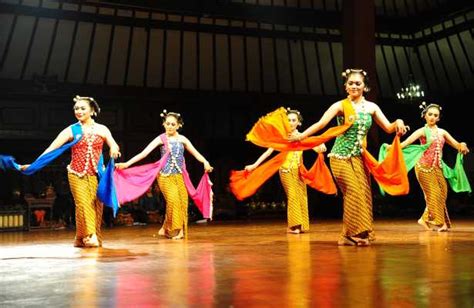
431,171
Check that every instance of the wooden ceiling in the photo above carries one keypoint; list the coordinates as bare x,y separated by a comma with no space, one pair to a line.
270,46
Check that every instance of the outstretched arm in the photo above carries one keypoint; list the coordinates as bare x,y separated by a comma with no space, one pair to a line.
395,126
414,136
332,111
64,136
189,146
259,160
460,146
150,147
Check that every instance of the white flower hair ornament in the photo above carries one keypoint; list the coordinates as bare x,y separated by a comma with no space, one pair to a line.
424,107
78,98
289,110
348,71
164,113
91,100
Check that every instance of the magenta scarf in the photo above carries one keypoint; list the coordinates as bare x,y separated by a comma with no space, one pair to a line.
133,182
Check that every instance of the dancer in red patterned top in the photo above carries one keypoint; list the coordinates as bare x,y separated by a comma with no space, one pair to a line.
432,172
83,169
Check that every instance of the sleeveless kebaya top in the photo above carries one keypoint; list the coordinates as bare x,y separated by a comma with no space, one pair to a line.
434,154
350,143
175,160
85,155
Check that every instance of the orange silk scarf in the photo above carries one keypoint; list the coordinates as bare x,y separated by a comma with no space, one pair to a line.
271,131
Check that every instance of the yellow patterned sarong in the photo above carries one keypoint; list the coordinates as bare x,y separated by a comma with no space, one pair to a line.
297,198
88,207
176,197
352,178
435,190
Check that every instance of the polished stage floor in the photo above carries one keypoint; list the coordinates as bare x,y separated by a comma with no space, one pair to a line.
241,264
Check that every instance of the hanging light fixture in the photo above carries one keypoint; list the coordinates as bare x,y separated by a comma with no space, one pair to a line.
412,92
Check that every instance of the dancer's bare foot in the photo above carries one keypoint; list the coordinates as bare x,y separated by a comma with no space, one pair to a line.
91,241
346,241
361,241
179,236
422,223
353,241
161,232
293,231
444,228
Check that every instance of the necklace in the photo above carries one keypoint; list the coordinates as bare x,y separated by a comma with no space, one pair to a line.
360,106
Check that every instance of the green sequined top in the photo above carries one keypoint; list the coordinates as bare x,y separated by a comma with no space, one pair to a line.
349,144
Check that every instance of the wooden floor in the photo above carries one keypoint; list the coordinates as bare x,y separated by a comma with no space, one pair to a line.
241,264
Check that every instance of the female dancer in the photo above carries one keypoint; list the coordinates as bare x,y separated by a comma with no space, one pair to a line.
86,139
347,157
294,186
430,169
172,177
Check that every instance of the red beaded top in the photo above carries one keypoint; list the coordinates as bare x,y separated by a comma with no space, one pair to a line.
82,162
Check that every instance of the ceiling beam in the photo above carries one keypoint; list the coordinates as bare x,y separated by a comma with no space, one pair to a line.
289,15
162,24
238,11
195,27
423,20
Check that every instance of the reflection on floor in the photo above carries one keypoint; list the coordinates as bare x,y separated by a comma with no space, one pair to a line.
241,264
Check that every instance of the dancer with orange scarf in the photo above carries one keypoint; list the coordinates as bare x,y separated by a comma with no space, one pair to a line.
293,184
346,157
350,161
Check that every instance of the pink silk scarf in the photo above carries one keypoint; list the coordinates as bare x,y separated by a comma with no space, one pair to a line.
133,182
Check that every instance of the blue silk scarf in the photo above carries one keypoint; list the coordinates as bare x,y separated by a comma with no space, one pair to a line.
106,191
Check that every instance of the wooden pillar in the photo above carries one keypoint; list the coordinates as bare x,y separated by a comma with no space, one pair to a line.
358,44
358,39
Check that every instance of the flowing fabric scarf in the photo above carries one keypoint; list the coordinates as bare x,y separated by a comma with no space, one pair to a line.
133,182
245,183
272,131
105,191
456,177
8,162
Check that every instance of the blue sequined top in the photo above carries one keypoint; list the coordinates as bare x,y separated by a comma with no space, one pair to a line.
175,160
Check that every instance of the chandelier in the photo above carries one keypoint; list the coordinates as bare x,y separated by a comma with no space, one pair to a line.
411,92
